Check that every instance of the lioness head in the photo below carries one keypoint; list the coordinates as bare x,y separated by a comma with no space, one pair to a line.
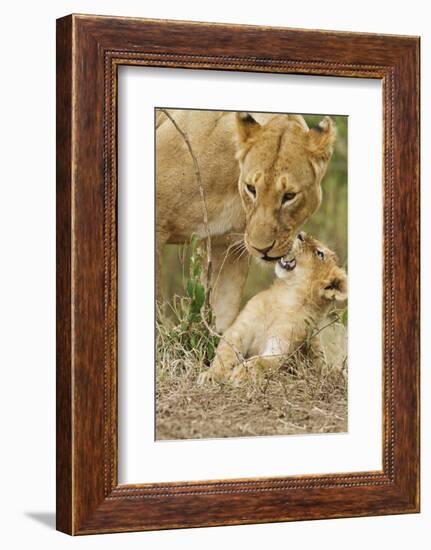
315,269
281,166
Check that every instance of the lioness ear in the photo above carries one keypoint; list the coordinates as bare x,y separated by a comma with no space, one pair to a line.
300,120
246,127
335,287
321,144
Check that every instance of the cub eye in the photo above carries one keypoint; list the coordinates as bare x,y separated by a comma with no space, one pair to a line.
300,237
320,254
287,197
251,189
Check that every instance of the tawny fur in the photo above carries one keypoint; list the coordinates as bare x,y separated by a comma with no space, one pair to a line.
278,155
276,322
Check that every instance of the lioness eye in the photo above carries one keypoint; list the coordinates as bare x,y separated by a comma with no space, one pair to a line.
287,197
251,189
320,255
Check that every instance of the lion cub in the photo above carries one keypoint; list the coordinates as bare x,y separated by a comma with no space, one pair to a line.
279,320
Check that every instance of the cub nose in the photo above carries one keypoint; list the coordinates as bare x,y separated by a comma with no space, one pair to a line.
265,251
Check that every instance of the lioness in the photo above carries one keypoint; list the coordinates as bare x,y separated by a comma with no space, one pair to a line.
261,182
280,320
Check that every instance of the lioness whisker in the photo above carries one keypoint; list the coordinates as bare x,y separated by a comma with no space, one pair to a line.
233,247
244,251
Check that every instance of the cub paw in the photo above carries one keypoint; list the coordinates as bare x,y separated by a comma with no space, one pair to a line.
205,378
238,375
212,376
217,373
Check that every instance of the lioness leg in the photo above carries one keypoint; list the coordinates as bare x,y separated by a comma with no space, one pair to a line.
229,273
160,242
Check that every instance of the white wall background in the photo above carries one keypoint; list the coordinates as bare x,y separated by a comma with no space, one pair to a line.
27,238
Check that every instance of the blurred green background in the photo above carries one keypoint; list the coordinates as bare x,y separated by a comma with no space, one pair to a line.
328,224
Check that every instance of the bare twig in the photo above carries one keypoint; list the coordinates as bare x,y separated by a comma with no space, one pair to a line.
203,199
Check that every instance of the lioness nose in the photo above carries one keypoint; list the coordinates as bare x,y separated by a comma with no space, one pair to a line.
265,251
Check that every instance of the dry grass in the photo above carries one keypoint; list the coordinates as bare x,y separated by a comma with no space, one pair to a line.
297,399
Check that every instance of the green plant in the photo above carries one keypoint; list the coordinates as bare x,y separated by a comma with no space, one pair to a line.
195,290
191,319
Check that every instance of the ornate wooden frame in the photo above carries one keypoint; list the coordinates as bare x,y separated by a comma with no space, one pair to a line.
89,51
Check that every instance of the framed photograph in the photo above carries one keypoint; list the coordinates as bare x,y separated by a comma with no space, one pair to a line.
237,274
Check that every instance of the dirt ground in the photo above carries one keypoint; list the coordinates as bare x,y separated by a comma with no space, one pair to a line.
308,399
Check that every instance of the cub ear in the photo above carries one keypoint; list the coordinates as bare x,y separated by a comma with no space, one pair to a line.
335,287
246,127
321,140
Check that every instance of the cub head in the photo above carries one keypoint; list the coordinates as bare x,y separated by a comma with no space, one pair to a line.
282,164
311,266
